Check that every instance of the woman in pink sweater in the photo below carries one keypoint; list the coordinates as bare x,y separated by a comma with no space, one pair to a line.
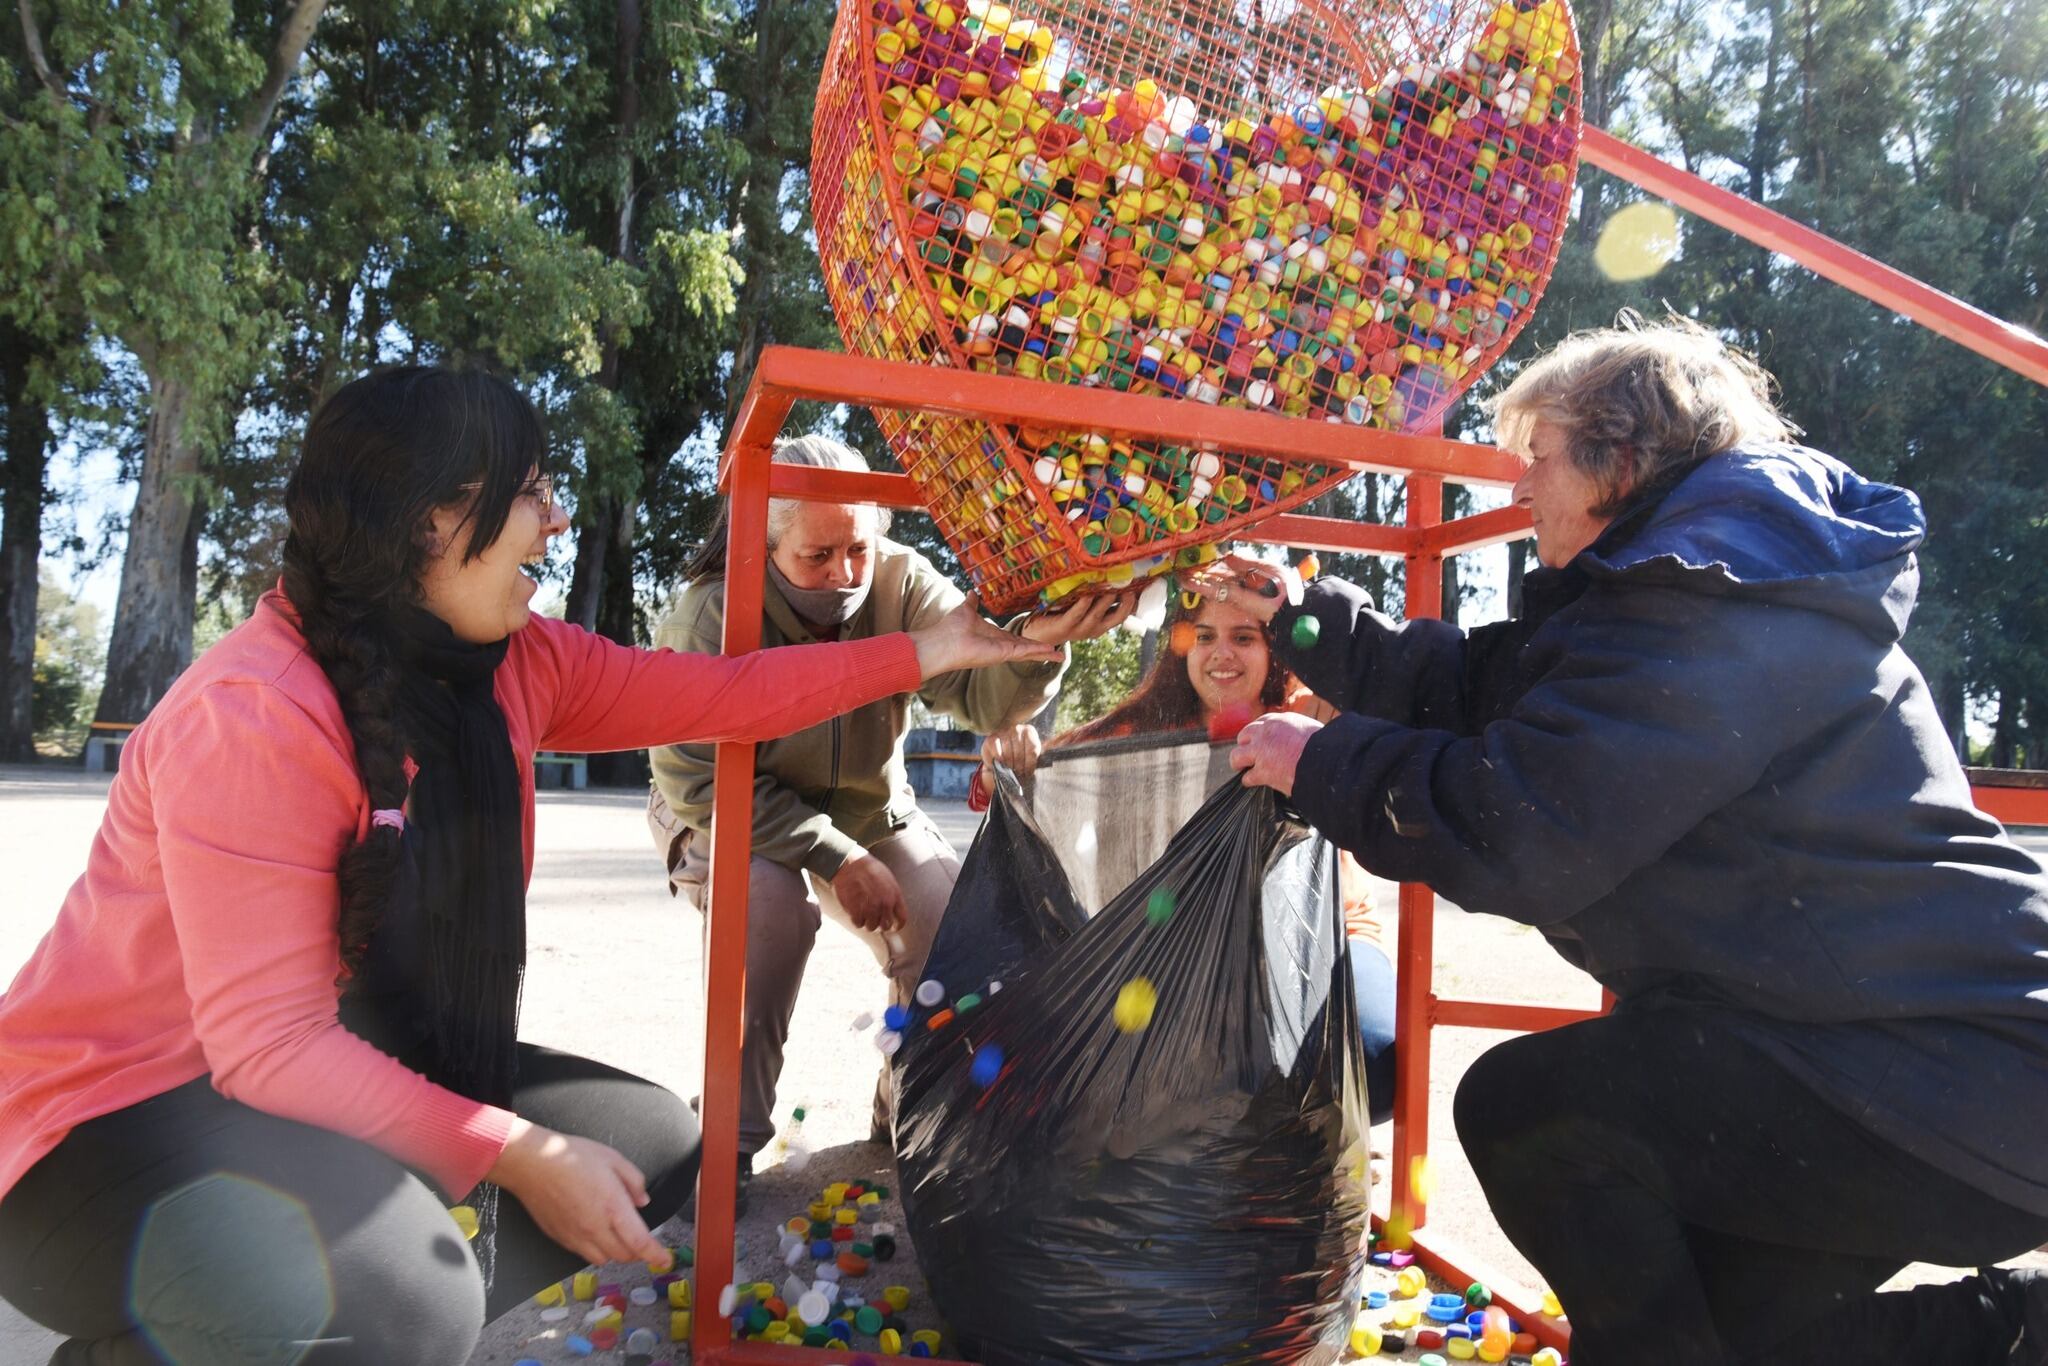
273,1033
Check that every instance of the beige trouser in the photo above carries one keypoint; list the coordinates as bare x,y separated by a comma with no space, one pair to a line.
784,910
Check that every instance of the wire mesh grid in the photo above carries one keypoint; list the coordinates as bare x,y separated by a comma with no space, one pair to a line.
1336,211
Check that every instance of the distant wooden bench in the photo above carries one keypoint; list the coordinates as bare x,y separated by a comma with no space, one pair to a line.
567,770
103,741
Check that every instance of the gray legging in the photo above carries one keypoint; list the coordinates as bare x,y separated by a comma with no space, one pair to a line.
190,1229
783,916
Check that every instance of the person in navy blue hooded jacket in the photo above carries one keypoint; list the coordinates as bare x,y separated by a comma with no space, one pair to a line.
1701,764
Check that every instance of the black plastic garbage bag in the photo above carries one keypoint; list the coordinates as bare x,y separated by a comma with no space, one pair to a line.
1192,1190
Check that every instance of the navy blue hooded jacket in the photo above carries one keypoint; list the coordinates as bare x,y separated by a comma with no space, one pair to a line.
1703,767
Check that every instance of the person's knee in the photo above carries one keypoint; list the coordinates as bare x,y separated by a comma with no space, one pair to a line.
427,1308
231,1269
922,916
662,1141
1496,1102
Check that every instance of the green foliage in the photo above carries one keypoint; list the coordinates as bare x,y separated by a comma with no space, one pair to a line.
69,663
617,217
1102,674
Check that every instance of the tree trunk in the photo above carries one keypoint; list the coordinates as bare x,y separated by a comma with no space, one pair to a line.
2005,732
152,638
22,495
586,580
611,519
1951,705
757,202
617,616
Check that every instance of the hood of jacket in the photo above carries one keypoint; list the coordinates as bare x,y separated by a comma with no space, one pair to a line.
1781,522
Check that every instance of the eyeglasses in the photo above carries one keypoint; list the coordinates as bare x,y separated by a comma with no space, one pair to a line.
540,488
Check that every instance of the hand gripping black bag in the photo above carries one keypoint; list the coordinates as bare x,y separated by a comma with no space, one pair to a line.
1140,1137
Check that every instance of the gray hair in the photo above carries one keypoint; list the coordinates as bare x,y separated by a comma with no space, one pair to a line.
1641,403
818,452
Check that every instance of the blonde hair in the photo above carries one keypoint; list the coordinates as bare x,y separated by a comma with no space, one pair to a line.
1641,403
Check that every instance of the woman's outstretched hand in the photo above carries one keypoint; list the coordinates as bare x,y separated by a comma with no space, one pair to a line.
1269,749
962,639
584,1195
1254,587
1081,619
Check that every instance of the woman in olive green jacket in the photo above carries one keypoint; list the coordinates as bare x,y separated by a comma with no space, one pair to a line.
837,830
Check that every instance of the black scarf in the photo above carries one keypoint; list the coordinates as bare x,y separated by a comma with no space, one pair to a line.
463,836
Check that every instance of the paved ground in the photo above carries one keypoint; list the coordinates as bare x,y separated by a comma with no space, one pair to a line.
614,974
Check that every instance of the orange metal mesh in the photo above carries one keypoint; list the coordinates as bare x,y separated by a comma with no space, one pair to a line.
1339,211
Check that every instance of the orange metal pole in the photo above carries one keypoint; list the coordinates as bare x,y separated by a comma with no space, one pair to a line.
1424,594
1456,1014
2013,347
732,840
1331,533
1475,532
832,377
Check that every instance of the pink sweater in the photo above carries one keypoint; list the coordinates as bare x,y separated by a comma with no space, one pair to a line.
201,939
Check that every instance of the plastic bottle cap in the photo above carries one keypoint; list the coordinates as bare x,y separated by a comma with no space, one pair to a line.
812,1308
930,993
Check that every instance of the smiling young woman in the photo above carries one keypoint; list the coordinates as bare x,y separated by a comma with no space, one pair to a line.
273,1032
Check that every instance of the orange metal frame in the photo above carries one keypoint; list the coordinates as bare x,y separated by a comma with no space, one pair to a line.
784,375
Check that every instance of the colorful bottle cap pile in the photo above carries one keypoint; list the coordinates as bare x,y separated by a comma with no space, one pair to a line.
1322,241
601,1329
1445,1326
839,1240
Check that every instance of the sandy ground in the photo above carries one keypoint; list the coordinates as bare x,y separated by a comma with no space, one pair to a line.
614,974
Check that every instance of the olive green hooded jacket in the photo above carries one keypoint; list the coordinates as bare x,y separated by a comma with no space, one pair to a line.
822,793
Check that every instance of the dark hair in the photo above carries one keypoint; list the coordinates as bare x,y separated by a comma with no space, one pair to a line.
379,457
1166,700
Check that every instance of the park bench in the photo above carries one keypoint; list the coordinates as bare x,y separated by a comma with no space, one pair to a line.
103,741
561,770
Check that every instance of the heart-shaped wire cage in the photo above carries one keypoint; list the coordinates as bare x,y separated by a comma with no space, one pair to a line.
1338,211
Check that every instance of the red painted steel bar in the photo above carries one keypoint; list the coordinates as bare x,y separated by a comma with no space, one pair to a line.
774,1354
791,373
1528,1019
1423,598
1479,530
1329,533
1521,1303
2013,347
732,840
2013,805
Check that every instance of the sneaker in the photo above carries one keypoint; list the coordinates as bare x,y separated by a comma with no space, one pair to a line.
2023,1293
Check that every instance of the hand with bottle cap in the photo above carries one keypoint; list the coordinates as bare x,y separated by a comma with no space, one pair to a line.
584,1195
1256,588
1080,618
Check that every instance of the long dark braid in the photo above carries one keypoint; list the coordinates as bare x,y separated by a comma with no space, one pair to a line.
379,457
